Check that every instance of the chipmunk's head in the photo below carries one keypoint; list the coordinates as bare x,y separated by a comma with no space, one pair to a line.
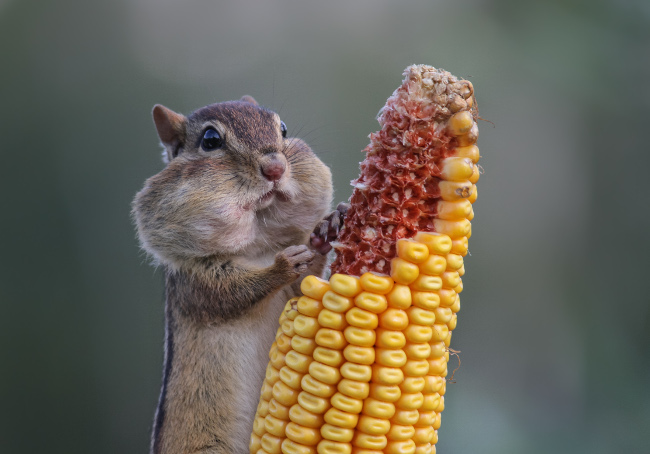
234,183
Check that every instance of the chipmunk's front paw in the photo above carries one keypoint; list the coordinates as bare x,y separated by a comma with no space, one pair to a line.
328,229
295,260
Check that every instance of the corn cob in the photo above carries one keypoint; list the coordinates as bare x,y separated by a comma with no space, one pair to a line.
360,361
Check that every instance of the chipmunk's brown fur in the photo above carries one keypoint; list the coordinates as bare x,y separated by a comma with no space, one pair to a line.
231,227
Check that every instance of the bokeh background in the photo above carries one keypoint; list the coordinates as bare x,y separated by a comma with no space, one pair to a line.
555,326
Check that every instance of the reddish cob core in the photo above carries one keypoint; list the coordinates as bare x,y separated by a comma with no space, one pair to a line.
397,192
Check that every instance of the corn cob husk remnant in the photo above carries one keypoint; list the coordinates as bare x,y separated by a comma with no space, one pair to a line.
360,361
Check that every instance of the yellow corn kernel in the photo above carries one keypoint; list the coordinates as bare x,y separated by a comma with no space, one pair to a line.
436,423
459,287
271,444
443,314
453,210
393,319
418,333
315,387
455,190
376,283
443,388
373,426
313,404
275,426
461,270
360,336
328,356
356,372
426,283
450,279
346,403
289,311
447,297
344,285
410,401
420,316
359,355
324,373
259,428
378,409
272,374
469,138
412,251
412,385
356,450
470,151
277,359
400,447
306,418
460,123
263,408
454,229
441,405
361,318
314,287
403,272
417,350
386,375
330,338
405,417
416,367
334,447
398,432
433,384
476,174
309,306
254,444
291,447
389,338
399,297
354,389
335,433
305,326
438,366
284,395
437,349
437,243
454,262
385,393
290,377
331,319
426,448
459,246
440,332
434,265
371,302
287,327
298,361
451,324
284,343
390,357
425,300
335,302
267,391
303,345
426,419
422,435
366,441
474,195
470,216
456,169
341,418
304,435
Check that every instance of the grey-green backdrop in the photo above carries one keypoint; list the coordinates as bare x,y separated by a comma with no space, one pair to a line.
555,326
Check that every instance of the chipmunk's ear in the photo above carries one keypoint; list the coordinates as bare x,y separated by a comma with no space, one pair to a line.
249,99
171,130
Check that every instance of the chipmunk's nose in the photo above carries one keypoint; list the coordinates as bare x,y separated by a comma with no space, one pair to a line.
273,168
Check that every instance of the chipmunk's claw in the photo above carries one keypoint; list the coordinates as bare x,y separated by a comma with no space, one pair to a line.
328,229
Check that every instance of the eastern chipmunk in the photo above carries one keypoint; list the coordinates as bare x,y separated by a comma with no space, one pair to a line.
233,219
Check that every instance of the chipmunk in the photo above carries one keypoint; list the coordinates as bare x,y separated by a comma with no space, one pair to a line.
236,219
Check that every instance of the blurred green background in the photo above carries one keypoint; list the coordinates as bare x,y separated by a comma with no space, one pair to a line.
555,326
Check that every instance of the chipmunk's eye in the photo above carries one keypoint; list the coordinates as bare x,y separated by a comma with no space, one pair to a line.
283,128
211,140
